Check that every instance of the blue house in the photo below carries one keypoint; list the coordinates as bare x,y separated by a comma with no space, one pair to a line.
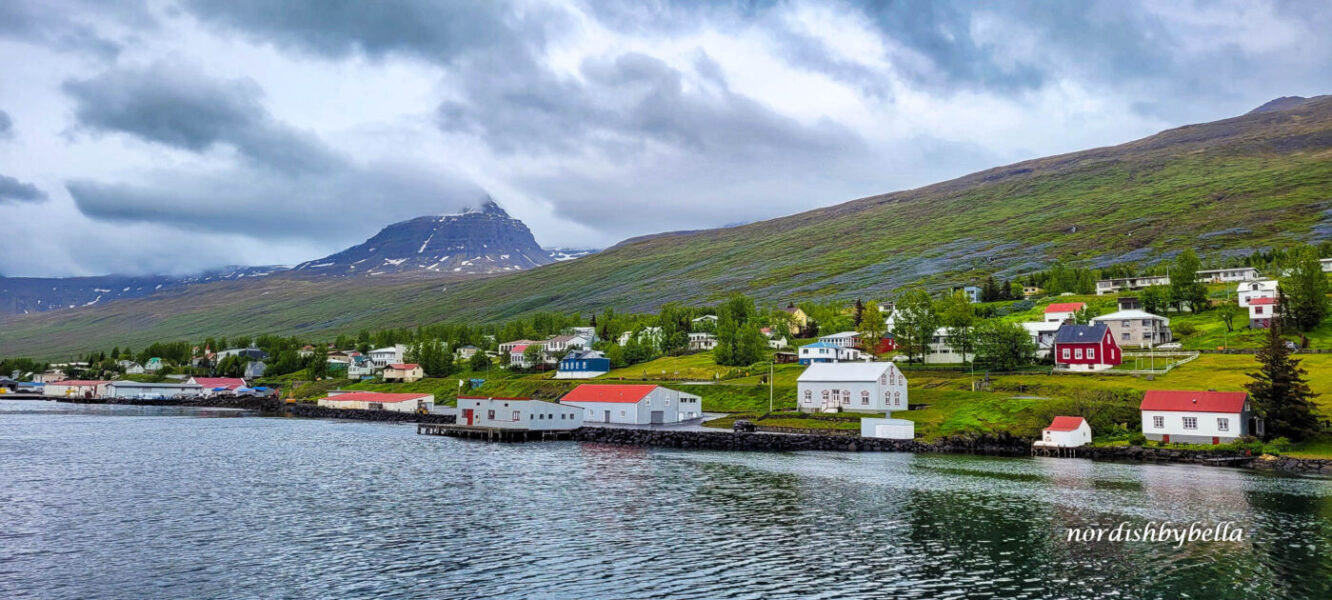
583,364
825,352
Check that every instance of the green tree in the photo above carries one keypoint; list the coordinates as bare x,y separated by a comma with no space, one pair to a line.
1184,285
915,323
1003,346
750,345
958,315
479,361
1155,299
1280,392
317,368
1305,289
872,327
1227,312
732,316
532,355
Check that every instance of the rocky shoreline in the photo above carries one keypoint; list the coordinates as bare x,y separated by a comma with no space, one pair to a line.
988,445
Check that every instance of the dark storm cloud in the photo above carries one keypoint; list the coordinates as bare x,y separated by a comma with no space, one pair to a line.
14,191
6,126
437,31
72,25
176,106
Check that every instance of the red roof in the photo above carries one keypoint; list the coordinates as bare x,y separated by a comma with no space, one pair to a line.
1065,307
404,366
491,398
608,393
1065,424
374,397
1186,400
1262,301
520,348
230,383
78,382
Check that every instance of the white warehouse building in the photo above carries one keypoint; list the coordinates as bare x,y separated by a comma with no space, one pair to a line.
523,414
633,404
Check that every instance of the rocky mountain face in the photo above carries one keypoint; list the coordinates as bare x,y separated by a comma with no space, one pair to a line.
23,295
480,241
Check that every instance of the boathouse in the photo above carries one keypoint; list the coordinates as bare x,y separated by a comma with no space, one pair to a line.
633,404
1065,432
517,414
135,390
408,402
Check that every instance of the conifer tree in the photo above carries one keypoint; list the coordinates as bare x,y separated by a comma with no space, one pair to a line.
1280,392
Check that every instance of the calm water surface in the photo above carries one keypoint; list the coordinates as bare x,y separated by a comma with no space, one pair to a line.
129,502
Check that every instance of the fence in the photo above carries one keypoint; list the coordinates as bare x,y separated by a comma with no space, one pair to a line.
1184,358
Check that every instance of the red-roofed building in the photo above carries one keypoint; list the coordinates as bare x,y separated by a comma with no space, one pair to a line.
518,357
633,404
517,414
1193,417
1066,432
408,403
1261,312
213,386
403,372
1061,312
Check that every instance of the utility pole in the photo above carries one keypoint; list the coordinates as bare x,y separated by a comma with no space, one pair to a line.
769,387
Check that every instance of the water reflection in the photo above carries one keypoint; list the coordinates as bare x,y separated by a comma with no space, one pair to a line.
144,507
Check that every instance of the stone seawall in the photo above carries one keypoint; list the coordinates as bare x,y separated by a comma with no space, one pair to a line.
1228,458
311,411
724,440
241,402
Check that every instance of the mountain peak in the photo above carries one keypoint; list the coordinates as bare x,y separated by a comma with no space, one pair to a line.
1283,103
488,207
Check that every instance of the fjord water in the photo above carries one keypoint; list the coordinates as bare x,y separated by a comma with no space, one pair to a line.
129,502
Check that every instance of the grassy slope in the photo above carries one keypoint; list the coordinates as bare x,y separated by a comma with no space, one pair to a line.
1267,173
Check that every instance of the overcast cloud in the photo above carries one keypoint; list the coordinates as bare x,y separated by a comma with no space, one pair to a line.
267,133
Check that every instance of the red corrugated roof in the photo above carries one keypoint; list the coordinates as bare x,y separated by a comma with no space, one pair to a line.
404,366
519,348
491,398
1065,307
1262,301
1065,424
608,393
1187,400
375,397
230,383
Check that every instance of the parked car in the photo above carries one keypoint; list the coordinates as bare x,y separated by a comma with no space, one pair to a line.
743,425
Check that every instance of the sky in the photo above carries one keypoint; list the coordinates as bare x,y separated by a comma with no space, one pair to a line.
174,136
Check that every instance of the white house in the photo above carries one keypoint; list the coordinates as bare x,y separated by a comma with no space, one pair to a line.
75,388
560,344
588,333
851,386
1043,333
1125,284
153,365
843,339
517,413
130,367
508,347
518,357
466,352
1262,311
151,391
386,356
705,320
1246,292
633,404
822,352
699,340
407,403
1326,263
941,349
1198,417
1061,312
254,369
1228,275
648,335
1065,432
361,367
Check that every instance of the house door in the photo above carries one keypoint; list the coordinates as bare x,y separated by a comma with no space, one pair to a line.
607,418
1165,438
658,417
467,416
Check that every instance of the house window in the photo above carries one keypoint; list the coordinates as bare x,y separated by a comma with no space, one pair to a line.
1222,424
490,414
883,379
825,395
1064,353
888,398
1091,353
864,397
1077,353
517,415
897,398
1125,323
809,396
1126,336
1146,323
1158,422
1190,422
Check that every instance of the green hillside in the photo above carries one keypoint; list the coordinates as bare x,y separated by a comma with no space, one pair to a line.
1258,180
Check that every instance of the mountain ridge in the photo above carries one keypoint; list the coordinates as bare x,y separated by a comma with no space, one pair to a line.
1224,188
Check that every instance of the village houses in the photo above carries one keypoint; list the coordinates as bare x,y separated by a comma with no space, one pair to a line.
1251,290
823,352
1063,312
1129,284
583,364
403,372
383,357
1262,311
701,341
405,402
212,386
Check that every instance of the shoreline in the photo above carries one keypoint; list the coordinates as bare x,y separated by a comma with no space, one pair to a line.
1001,445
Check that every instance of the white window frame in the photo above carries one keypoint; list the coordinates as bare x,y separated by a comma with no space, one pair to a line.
1223,424
1189,423
1158,422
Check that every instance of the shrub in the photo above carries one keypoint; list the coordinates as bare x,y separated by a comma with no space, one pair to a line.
1138,439
1277,445
1185,329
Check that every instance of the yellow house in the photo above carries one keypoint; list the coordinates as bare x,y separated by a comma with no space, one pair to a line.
798,319
405,373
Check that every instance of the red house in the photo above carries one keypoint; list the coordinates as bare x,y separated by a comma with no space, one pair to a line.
887,343
1086,348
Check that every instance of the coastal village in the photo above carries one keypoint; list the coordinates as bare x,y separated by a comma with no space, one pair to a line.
1057,359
